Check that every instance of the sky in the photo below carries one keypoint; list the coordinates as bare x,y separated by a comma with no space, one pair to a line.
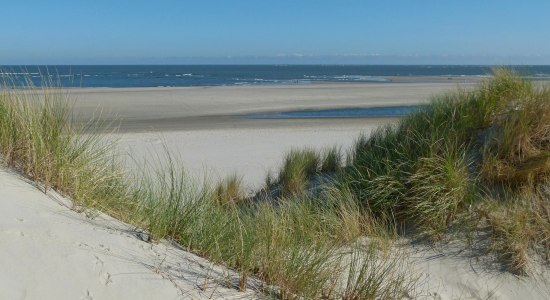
274,31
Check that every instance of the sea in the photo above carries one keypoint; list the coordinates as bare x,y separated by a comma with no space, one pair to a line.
119,76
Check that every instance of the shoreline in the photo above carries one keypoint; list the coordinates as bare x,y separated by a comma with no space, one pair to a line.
236,122
429,79
447,79
192,108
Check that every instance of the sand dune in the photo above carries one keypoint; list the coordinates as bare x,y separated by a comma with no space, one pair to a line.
48,251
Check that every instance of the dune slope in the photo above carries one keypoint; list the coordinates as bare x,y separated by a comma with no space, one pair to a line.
48,251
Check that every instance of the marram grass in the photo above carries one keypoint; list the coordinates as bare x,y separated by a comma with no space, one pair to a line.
474,160
466,159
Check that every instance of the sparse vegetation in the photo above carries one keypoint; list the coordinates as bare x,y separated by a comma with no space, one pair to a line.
368,280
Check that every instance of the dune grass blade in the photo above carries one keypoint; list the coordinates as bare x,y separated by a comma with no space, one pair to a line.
331,160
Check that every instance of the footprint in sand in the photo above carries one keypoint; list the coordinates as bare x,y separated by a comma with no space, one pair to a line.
154,140
98,261
105,278
82,245
88,296
106,248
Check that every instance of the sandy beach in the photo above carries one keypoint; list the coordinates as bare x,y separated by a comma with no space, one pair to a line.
204,126
195,108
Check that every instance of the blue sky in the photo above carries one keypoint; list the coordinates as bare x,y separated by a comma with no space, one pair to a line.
274,31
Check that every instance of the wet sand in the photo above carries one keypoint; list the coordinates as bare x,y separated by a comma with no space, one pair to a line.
199,108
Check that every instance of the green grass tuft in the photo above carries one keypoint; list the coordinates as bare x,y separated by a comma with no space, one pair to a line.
298,167
230,191
331,160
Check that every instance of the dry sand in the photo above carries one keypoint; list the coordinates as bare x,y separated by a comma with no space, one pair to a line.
248,152
204,125
48,251
451,272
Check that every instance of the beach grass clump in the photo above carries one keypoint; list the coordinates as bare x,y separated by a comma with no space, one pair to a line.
165,198
298,167
230,191
439,188
331,160
517,148
39,139
520,227
439,166
303,170
345,217
302,247
292,254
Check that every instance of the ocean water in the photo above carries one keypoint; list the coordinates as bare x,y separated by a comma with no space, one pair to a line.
360,112
216,75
